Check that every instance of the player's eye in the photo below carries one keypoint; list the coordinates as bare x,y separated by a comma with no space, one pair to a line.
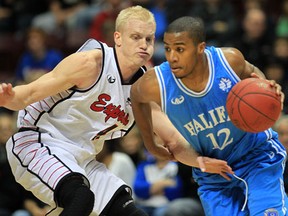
135,37
167,49
149,39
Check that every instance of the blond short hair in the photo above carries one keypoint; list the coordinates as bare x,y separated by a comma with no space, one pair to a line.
133,12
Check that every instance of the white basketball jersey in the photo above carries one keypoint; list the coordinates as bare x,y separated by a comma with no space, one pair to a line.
90,116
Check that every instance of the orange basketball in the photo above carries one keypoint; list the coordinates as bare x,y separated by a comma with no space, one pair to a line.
253,105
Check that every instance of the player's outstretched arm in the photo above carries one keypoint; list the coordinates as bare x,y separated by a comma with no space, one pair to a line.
182,150
78,69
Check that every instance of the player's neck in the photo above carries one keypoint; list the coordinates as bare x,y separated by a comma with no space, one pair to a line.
198,79
127,69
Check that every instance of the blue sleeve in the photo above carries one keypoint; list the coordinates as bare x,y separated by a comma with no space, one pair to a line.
141,185
20,67
54,58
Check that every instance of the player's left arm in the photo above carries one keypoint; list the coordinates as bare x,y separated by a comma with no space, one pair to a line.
181,149
245,69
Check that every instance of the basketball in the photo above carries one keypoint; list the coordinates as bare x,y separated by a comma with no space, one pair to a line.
253,105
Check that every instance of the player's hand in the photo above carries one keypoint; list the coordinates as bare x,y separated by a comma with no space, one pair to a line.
6,93
216,166
275,85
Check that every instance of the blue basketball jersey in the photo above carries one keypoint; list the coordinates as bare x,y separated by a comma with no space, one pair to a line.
202,118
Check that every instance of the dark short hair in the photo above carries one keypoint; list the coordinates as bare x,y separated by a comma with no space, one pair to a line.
193,25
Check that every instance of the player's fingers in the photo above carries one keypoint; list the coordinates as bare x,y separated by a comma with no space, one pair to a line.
282,100
9,88
228,169
254,75
276,86
224,175
3,86
207,160
278,89
6,88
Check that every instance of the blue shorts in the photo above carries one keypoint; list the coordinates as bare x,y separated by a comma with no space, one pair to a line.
257,188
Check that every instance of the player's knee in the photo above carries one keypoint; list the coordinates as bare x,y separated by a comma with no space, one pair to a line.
75,197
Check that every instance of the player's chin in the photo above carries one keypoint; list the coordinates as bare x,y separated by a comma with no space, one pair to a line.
145,56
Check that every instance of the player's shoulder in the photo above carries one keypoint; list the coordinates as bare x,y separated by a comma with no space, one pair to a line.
234,57
150,72
231,52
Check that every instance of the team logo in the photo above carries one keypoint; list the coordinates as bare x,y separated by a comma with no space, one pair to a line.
111,78
225,84
177,100
271,212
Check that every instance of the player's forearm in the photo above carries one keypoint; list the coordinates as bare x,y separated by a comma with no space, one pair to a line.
184,153
142,114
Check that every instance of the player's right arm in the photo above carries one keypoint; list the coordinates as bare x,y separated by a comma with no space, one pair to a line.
145,98
79,69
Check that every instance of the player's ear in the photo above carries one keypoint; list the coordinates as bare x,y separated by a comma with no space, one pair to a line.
201,47
117,38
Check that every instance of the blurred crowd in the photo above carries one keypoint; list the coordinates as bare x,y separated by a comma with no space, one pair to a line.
35,36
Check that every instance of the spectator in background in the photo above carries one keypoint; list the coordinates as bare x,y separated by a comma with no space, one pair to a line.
156,184
159,9
25,11
255,40
220,19
281,126
176,9
61,15
103,24
280,51
7,21
10,191
119,163
189,204
132,145
38,58
274,70
282,22
15,200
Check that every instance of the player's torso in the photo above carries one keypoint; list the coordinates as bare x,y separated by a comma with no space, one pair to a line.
201,116
100,112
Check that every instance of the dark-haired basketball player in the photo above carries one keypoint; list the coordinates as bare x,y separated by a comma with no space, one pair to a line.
191,88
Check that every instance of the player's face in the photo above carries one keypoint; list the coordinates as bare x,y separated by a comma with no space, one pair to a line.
137,41
181,53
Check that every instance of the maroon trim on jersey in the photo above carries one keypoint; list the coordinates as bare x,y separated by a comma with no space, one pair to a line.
25,148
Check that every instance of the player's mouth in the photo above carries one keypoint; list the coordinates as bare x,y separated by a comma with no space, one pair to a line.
144,54
176,69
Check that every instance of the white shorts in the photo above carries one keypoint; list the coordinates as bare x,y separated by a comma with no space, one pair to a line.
39,161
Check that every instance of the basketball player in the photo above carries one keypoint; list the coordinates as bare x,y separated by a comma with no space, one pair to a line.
191,88
66,115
